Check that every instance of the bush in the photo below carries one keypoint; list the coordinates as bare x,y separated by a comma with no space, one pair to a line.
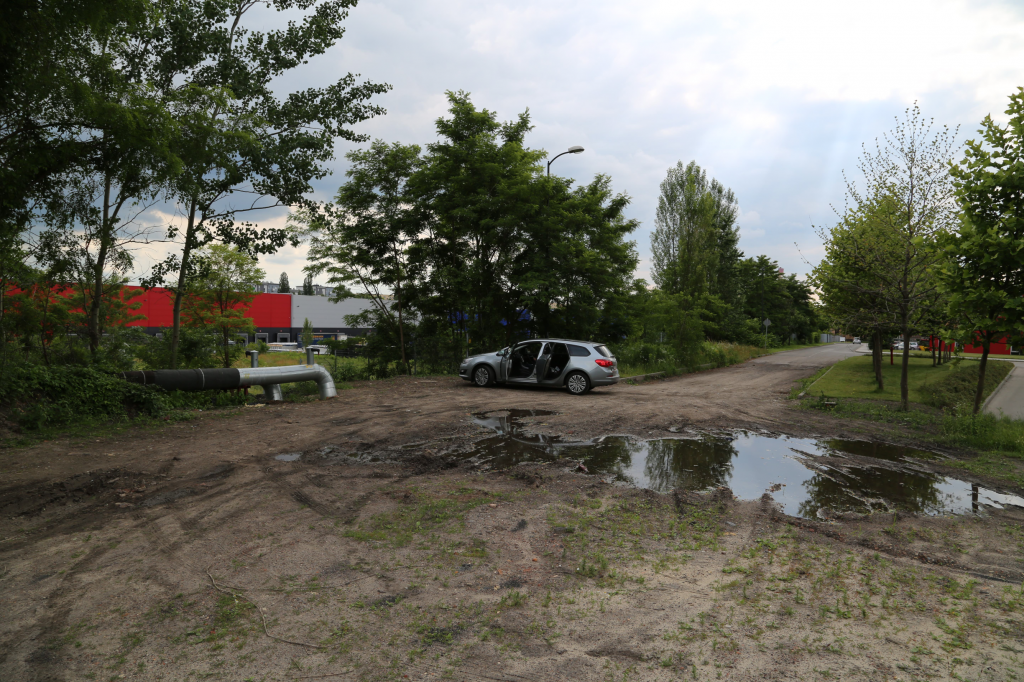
37,397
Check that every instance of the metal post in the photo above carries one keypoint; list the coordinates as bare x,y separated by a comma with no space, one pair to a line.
254,358
310,356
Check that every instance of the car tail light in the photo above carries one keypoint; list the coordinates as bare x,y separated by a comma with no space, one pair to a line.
604,363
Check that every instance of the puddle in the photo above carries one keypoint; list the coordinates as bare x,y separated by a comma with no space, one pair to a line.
806,475
288,457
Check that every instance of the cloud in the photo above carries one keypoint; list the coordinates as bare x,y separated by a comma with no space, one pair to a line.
773,99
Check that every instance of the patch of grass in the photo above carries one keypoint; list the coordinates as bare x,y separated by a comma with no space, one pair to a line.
944,386
802,384
426,512
958,385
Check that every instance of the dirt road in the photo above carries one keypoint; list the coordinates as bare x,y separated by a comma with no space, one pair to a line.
190,552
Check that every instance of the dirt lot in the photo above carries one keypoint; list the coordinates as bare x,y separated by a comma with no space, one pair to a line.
189,552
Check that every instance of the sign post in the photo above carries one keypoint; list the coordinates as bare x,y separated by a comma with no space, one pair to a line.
766,324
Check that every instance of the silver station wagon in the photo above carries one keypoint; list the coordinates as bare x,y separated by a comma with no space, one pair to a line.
576,365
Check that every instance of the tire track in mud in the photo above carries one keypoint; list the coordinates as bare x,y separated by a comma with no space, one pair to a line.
43,662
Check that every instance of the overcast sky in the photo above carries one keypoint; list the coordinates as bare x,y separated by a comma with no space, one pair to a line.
773,99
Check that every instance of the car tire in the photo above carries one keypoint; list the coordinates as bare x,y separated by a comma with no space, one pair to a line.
577,383
483,376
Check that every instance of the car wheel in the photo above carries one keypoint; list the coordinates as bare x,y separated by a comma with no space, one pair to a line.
482,376
577,383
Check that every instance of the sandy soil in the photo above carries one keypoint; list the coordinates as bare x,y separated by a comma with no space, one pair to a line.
189,552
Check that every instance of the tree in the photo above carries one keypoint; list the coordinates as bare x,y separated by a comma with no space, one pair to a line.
984,268
505,250
852,296
908,200
223,295
307,333
283,287
243,149
768,294
307,286
694,244
365,238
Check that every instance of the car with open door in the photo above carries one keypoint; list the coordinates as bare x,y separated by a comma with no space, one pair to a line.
577,366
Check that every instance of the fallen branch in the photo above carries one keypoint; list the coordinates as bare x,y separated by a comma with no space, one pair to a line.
262,617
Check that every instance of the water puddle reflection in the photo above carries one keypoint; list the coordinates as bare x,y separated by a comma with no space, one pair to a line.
807,476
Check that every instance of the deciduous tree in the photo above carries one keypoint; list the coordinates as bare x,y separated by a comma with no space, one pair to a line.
984,270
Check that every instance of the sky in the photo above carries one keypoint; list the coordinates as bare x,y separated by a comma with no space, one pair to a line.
774,99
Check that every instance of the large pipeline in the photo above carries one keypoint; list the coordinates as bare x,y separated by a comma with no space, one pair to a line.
270,378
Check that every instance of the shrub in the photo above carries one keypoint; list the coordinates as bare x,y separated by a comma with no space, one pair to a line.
38,397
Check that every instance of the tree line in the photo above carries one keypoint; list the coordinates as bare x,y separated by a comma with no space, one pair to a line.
931,244
109,108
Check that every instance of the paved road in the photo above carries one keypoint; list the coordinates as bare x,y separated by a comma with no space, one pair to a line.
820,356
1009,397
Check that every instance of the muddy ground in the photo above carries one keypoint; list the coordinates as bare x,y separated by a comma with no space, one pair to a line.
188,551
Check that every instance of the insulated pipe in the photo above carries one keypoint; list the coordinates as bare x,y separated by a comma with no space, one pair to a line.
270,378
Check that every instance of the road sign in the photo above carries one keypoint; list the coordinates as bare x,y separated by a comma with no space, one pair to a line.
766,322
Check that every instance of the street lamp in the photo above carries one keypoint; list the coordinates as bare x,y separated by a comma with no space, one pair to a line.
576,149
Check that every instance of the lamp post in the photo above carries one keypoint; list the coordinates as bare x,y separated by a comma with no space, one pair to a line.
575,149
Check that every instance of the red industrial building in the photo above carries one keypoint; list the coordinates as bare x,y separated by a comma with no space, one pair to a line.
277,317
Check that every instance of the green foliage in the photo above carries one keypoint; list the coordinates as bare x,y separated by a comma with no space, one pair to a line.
477,240
39,398
220,297
983,273
694,244
197,347
36,397
307,333
880,260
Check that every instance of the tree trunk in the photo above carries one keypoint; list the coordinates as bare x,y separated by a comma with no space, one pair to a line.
97,274
876,359
401,330
931,343
905,369
986,343
182,281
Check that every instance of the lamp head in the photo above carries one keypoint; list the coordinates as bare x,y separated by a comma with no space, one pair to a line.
576,149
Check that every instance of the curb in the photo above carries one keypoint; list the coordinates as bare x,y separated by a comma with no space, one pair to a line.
804,392
984,405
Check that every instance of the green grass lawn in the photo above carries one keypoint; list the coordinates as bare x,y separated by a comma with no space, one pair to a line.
855,378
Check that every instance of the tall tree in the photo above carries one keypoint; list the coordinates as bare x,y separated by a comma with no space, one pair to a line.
853,297
365,238
908,198
503,246
244,149
695,240
220,298
984,270
307,286
283,287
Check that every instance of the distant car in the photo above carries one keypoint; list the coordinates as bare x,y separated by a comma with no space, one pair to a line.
897,345
856,339
914,345
577,366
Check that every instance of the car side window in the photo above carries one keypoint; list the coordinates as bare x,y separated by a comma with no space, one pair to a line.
578,351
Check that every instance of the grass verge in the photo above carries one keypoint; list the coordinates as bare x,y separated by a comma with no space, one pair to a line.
942,386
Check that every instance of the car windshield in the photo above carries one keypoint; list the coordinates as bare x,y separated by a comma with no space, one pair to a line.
603,350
